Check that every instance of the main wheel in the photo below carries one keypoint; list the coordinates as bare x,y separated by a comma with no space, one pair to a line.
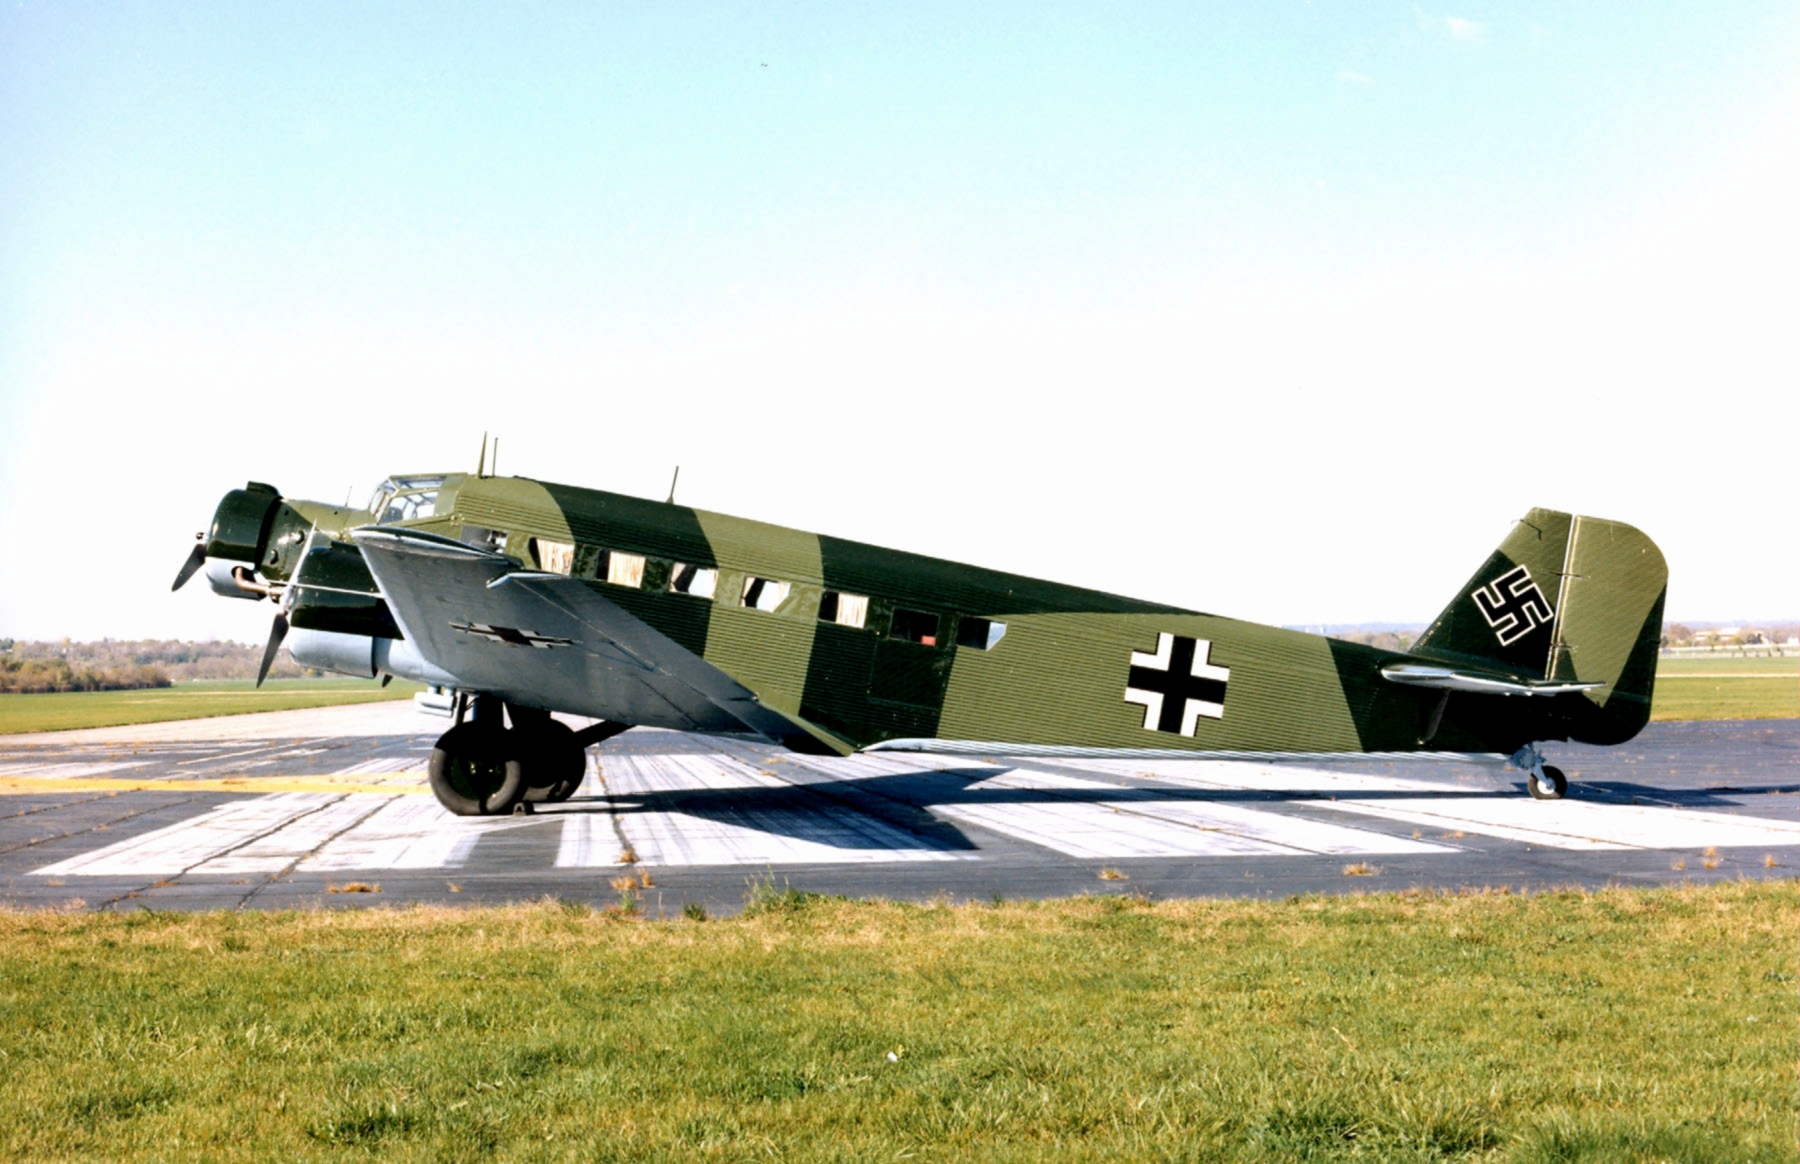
1551,787
554,763
476,770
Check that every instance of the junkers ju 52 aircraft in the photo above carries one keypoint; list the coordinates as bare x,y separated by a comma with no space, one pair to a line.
526,598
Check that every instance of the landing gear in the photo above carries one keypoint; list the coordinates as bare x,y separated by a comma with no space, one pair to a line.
481,767
474,771
1549,786
555,760
1541,780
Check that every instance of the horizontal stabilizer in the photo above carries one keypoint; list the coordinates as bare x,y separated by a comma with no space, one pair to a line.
1450,679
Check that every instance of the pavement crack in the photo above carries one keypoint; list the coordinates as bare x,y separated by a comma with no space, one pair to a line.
101,825
225,852
612,814
276,877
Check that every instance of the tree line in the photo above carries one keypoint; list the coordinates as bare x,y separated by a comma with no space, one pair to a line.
129,664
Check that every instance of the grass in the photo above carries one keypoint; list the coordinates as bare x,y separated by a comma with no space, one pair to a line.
1727,688
61,711
1622,1025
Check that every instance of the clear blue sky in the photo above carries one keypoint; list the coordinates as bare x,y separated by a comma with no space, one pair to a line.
1283,311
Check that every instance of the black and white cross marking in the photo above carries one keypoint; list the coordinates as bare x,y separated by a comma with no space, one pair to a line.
1176,685
511,636
1513,605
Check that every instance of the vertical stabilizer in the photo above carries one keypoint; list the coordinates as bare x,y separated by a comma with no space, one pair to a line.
1567,598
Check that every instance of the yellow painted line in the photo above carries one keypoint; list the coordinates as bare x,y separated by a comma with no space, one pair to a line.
395,783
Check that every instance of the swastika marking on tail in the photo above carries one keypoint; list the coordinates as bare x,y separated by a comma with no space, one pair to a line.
1513,605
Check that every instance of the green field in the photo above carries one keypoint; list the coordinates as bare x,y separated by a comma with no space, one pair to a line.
60,711
1623,1025
1722,687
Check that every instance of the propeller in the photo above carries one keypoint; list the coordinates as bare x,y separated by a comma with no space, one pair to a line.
277,632
196,558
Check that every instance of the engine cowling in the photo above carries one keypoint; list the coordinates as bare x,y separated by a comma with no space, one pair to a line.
254,526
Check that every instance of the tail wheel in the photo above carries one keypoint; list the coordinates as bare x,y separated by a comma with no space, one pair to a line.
1550,786
476,770
555,763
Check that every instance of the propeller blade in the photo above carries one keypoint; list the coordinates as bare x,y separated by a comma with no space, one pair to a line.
196,558
276,634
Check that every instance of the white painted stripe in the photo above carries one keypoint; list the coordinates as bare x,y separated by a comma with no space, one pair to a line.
1581,825
588,841
407,832
1097,831
870,765
1290,832
179,847
639,774
292,841
749,836
411,765
746,834
62,770
1152,825
220,757
1249,777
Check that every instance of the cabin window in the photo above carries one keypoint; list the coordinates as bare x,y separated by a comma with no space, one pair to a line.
622,569
483,538
844,609
700,581
764,593
915,626
979,633
554,557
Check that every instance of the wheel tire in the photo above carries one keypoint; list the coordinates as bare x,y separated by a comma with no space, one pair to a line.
1559,784
476,771
555,764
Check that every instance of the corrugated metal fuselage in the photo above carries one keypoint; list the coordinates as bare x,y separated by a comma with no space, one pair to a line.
1009,659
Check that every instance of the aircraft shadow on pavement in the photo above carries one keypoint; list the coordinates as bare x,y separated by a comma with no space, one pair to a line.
801,810
1719,796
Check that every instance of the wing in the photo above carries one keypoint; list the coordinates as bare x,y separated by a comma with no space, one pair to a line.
551,641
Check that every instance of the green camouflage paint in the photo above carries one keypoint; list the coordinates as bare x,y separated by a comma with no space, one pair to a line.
1562,598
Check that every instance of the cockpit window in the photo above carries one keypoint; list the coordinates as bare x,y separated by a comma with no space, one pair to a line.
385,493
409,507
